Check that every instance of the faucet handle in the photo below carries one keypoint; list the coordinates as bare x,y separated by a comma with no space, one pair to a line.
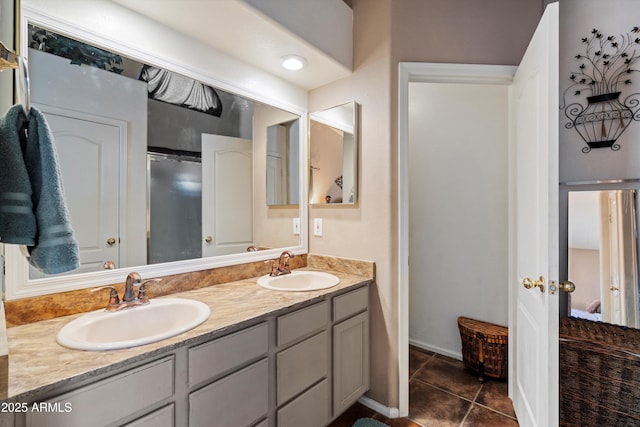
286,269
113,295
284,262
142,290
274,267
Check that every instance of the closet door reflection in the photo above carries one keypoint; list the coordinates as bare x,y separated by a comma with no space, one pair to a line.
603,256
174,208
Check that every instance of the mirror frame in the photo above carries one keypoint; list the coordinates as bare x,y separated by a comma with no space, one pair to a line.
356,151
18,284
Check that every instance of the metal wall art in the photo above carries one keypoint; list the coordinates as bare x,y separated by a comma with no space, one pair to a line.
604,68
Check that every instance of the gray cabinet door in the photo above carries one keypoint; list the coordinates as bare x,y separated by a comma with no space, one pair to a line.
163,417
310,409
300,366
237,400
350,361
111,399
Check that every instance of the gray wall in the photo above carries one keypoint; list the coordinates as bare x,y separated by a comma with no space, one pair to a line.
578,18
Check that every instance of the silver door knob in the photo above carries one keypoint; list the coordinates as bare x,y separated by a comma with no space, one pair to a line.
111,241
208,239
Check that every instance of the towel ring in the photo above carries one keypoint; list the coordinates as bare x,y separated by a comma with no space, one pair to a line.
9,60
24,91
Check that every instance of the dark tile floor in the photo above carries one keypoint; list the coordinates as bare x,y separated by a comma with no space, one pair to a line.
442,393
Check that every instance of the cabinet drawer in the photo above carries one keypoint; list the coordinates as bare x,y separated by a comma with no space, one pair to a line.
163,417
237,400
111,399
301,366
221,356
348,304
311,409
300,323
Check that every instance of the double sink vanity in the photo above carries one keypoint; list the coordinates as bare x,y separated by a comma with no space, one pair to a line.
259,355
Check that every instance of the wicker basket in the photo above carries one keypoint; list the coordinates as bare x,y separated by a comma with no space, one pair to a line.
599,374
484,347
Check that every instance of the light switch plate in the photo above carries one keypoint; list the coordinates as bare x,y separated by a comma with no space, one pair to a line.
296,226
317,227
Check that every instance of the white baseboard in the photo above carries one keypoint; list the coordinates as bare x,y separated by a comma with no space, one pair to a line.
443,351
379,408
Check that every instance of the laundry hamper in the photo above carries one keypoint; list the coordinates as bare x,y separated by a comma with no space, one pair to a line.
484,348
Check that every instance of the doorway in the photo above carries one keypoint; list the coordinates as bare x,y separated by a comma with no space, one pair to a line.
456,158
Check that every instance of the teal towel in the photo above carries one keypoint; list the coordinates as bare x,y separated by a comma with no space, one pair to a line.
55,250
368,422
32,207
17,219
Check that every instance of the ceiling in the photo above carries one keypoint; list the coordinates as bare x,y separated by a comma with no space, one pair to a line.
235,28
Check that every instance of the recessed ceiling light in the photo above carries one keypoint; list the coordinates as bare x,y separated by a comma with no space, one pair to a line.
293,62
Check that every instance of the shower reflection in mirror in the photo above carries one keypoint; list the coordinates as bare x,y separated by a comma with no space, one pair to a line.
603,256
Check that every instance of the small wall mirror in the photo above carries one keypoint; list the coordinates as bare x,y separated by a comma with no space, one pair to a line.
333,155
603,256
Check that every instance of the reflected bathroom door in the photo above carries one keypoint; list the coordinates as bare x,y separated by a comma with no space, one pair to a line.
227,195
88,149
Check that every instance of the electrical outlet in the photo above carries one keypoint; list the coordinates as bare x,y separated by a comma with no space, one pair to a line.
296,226
317,227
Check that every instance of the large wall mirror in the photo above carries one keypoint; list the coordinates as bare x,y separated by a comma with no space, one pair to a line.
333,155
603,256
164,171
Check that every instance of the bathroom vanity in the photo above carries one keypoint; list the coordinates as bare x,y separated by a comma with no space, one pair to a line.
263,358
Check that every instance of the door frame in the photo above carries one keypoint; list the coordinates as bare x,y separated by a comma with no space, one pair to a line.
410,72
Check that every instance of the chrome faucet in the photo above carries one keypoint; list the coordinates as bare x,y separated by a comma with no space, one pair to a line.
280,267
128,297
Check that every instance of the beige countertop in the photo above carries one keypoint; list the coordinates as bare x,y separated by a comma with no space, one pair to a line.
38,363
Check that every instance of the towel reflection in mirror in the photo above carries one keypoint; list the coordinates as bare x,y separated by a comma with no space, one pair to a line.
176,89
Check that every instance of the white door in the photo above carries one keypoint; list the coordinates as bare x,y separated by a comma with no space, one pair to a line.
89,154
276,188
227,195
533,325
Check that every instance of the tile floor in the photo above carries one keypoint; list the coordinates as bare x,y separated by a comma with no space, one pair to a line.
442,393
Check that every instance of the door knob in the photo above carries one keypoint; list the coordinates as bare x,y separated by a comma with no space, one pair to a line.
613,288
109,265
529,283
567,286
111,241
208,239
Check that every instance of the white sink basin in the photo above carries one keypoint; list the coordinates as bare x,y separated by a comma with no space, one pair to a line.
131,327
298,281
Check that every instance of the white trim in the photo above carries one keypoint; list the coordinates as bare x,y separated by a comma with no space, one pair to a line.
409,72
379,407
435,349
